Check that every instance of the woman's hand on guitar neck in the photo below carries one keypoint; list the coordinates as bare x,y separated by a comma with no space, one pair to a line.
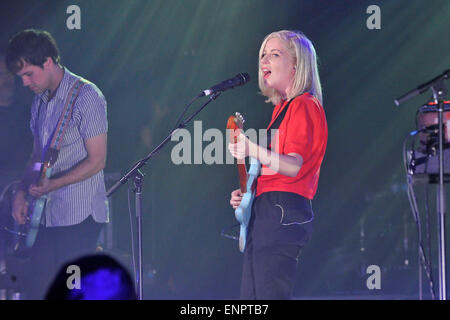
240,149
236,198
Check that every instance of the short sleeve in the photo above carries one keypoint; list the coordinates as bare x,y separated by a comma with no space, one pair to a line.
90,112
304,127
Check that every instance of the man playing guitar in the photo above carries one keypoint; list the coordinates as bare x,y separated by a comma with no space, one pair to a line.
69,125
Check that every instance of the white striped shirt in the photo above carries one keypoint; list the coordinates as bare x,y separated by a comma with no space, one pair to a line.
73,203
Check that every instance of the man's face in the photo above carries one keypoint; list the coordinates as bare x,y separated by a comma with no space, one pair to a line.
6,85
34,77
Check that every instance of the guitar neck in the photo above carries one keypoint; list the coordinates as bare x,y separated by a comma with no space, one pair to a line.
242,170
235,125
44,172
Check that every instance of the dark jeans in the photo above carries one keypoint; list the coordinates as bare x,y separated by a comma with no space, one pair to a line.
280,226
54,247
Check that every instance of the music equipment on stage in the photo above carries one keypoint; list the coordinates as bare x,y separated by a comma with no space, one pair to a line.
247,181
438,151
427,124
423,159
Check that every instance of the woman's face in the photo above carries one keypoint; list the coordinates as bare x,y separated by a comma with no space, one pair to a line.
277,66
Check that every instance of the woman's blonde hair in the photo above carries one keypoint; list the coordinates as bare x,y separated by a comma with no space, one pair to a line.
306,78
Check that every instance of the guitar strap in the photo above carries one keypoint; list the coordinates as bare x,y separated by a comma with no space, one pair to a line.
277,123
50,154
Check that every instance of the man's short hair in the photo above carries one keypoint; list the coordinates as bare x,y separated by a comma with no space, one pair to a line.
31,46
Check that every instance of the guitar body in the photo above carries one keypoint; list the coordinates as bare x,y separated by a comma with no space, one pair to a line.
30,229
247,180
243,213
35,220
37,206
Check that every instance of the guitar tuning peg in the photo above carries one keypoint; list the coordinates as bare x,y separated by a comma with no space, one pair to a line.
240,117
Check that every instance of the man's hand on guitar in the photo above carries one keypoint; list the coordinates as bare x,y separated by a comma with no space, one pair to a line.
20,208
236,198
40,190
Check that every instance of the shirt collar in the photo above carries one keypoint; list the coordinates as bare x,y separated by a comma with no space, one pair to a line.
62,89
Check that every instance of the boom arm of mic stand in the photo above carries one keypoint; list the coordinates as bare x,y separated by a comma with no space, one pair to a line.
144,161
422,88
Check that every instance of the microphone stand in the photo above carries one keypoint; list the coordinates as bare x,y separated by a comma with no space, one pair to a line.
138,177
439,94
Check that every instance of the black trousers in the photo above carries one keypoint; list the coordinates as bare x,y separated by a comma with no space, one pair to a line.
54,247
280,226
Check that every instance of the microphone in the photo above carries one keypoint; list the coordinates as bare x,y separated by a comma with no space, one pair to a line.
238,80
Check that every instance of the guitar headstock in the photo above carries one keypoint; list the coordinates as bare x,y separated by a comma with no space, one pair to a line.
236,122
240,120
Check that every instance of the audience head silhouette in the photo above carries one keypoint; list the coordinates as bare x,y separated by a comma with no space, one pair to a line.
93,277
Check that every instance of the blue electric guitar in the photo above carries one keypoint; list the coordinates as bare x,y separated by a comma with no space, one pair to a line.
247,181
36,207
25,234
